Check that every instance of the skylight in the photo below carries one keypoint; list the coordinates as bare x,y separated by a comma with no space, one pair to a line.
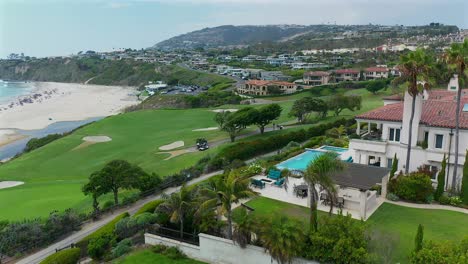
465,108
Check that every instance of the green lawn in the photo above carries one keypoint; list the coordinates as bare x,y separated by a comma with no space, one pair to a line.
54,174
148,257
400,222
438,225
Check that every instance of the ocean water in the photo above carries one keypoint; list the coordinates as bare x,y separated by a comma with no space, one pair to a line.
9,90
16,147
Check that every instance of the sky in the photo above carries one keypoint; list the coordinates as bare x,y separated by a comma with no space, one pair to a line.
55,28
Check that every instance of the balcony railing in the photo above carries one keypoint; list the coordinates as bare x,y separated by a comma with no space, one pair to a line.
373,136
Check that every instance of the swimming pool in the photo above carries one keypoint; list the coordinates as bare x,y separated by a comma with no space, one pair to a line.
301,161
334,149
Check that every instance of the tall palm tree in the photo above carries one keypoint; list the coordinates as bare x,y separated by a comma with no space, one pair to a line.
178,206
244,226
416,64
224,192
282,237
457,56
319,173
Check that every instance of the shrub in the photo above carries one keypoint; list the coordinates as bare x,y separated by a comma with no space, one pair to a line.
122,248
149,207
106,230
444,199
66,256
393,197
98,246
158,249
130,199
107,205
416,187
36,143
174,253
339,239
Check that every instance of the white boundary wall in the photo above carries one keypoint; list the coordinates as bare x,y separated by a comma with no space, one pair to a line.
220,251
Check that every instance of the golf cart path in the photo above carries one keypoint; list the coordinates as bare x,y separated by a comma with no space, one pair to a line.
93,226
429,206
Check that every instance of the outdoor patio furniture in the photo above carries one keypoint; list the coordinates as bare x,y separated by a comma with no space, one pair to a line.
302,190
340,202
257,183
325,199
279,182
274,174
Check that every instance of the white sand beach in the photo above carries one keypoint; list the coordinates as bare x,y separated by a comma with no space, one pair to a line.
55,102
65,102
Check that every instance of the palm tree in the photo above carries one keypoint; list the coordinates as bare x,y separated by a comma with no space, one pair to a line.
457,55
282,237
224,192
178,206
414,65
244,226
318,173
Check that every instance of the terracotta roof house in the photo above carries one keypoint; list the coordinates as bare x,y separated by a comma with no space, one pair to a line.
376,73
347,75
316,78
262,87
387,127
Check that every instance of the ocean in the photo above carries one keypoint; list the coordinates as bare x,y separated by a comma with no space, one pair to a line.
9,90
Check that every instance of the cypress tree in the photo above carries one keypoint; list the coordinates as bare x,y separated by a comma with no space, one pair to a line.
418,242
464,184
441,180
394,166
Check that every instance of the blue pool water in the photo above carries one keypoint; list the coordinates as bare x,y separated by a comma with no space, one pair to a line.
334,149
300,161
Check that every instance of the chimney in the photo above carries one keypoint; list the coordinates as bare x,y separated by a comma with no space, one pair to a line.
453,83
408,101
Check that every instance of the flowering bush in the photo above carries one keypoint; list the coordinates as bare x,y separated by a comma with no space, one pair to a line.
253,169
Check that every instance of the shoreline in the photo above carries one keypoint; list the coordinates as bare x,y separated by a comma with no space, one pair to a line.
54,102
51,102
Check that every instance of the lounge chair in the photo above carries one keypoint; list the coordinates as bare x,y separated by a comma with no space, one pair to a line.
257,183
274,174
279,182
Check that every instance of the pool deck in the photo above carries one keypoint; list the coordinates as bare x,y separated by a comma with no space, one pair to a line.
286,195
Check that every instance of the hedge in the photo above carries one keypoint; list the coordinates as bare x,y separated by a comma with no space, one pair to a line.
107,229
66,256
149,207
248,149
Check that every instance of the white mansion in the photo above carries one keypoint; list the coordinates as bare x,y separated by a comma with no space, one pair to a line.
433,132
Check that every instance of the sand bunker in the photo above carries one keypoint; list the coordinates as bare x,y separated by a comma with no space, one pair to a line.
173,145
91,140
176,153
224,110
206,129
97,139
9,184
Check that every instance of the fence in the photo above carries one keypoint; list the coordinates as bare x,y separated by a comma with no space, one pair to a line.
188,238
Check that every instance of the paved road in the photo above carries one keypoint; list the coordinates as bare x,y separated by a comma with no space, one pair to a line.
93,226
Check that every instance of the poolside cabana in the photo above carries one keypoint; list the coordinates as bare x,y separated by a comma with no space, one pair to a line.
354,188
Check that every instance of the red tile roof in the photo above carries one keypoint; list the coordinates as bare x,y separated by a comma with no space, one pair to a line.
317,73
344,71
437,111
376,69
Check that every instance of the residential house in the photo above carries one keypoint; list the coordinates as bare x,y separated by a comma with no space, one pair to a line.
261,87
347,75
308,65
433,130
273,76
316,78
376,73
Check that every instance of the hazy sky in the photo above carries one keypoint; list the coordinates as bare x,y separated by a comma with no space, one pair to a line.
47,27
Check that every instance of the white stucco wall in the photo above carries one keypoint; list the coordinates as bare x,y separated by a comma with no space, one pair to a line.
220,251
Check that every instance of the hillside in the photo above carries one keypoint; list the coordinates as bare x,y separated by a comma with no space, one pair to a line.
103,72
298,36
